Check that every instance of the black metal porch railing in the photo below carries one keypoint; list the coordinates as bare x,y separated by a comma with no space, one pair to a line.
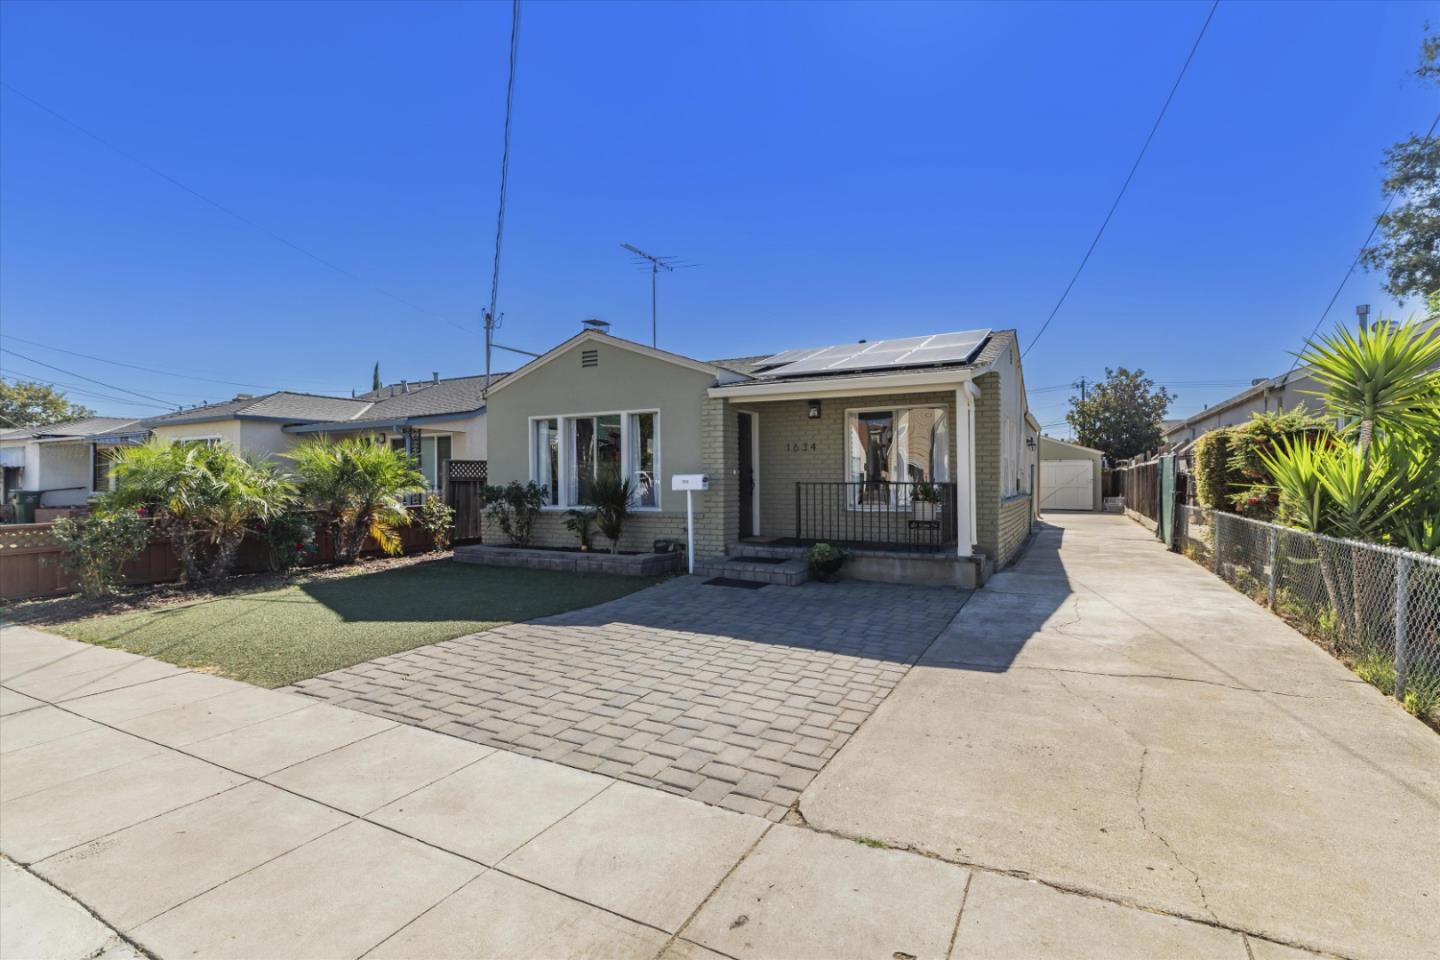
876,514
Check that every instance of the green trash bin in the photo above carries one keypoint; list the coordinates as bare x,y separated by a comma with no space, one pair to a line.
25,503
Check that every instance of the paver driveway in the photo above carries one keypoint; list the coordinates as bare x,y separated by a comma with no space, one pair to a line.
728,696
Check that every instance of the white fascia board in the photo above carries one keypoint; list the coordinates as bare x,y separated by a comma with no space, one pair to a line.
846,386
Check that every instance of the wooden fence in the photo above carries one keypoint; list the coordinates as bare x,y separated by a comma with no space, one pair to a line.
1140,486
30,559
465,491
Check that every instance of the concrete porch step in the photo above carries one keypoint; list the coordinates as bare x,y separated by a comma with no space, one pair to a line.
756,567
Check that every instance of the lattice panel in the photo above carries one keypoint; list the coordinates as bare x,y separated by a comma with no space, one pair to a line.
470,470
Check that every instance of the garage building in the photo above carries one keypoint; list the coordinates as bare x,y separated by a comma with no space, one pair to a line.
1069,476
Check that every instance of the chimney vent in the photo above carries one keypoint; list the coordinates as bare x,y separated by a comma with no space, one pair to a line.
404,386
596,324
434,376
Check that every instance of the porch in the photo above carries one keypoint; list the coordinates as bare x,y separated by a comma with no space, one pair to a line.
887,475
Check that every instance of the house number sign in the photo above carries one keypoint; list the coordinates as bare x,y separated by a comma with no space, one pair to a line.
810,447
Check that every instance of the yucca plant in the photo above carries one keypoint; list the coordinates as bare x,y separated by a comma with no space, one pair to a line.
202,498
359,485
1383,378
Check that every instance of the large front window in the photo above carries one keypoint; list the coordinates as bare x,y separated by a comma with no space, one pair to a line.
896,446
568,454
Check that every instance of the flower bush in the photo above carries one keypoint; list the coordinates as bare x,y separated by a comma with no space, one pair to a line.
97,547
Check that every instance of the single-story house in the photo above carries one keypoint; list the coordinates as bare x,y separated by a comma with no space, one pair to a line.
1070,476
67,463
910,451
436,420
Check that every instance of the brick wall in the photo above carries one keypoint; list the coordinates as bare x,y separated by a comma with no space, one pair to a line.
719,525
641,531
987,466
1014,528
794,447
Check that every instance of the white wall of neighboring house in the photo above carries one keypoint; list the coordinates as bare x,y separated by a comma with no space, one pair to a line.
1293,395
227,431
62,467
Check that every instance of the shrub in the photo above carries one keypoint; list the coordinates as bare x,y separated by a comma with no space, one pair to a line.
98,546
436,518
581,522
514,508
1212,455
359,486
612,495
203,499
826,559
289,540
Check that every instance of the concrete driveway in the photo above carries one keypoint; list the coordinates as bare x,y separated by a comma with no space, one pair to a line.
1108,718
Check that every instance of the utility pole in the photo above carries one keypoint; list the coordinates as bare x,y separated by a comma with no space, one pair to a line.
656,264
490,318
1081,384
1363,312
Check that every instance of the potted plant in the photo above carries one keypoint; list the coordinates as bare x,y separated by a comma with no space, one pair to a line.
925,502
826,559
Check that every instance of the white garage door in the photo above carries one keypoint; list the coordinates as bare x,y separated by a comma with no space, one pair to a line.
1067,485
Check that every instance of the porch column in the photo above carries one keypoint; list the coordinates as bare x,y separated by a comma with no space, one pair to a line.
964,470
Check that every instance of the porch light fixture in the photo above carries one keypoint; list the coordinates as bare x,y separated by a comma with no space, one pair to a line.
814,412
1030,442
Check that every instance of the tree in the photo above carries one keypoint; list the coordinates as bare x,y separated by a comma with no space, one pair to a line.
1409,246
359,485
25,403
1121,416
375,383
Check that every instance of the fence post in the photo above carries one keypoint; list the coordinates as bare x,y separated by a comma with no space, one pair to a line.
1218,516
1274,563
1402,624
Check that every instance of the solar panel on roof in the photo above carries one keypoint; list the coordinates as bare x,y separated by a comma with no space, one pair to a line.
902,352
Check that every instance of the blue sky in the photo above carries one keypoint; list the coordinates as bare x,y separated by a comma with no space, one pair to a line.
839,171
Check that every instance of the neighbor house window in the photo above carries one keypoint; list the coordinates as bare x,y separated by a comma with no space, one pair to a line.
896,446
435,460
102,462
570,453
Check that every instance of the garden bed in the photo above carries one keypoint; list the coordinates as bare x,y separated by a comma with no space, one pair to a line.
570,561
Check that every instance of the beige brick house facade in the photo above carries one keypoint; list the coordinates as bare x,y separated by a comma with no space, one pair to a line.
799,435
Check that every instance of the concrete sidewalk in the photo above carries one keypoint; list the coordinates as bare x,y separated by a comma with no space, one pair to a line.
201,817
1109,718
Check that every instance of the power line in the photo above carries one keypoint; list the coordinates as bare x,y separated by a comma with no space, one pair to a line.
255,225
1361,252
81,391
132,366
504,185
102,383
1130,176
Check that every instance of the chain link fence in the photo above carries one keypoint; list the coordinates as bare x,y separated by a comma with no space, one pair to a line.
1375,607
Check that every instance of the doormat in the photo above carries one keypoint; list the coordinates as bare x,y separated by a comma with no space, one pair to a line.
732,582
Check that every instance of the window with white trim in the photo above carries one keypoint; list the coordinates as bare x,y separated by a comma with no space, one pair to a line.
904,445
568,454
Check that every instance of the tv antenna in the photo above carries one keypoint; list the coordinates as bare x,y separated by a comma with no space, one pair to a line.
656,264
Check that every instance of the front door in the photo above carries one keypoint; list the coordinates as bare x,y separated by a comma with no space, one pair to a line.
747,475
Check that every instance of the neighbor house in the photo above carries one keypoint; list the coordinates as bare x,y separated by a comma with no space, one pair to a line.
435,420
917,453
66,463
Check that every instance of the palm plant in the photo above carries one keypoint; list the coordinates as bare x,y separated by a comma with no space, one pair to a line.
359,485
612,496
203,499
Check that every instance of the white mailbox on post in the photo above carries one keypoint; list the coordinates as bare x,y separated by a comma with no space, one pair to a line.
690,482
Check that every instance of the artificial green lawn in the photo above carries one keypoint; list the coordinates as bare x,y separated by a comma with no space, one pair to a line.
278,636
